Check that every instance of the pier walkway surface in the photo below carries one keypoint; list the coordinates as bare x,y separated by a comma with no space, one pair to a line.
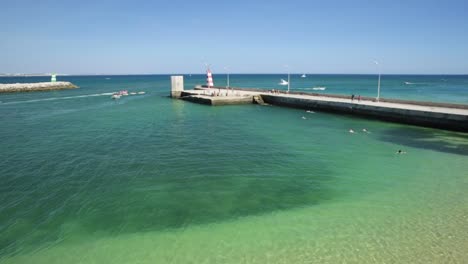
429,114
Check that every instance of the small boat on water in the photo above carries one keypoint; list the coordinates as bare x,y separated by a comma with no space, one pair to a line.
283,82
303,76
119,94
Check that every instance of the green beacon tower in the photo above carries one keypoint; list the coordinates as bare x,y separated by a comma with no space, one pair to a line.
53,78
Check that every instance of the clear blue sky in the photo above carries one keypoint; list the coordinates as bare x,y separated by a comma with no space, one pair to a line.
255,36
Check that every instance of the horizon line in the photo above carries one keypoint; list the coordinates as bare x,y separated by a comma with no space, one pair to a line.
224,73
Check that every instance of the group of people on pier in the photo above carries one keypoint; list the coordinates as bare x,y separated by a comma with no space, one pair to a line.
358,98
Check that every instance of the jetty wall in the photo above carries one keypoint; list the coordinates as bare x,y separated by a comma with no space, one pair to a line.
32,87
447,116
450,121
340,96
215,100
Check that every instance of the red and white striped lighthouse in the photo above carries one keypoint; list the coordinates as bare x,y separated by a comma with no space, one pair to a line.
209,78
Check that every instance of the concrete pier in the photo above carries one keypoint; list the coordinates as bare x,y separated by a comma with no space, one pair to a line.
428,114
444,116
218,96
31,87
219,100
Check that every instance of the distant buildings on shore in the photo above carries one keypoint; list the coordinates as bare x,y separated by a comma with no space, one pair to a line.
27,74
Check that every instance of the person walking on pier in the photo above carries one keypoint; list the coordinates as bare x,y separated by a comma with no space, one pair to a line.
352,97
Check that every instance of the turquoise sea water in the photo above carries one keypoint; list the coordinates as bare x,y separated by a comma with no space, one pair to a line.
148,179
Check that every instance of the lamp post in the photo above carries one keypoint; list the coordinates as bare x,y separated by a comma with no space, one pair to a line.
289,79
378,83
227,73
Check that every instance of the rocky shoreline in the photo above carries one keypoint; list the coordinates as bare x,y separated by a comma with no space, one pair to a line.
32,87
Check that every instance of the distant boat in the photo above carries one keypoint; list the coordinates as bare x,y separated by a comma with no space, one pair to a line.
409,83
283,82
319,88
303,76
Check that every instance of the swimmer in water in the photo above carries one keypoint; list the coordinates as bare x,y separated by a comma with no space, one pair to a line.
400,152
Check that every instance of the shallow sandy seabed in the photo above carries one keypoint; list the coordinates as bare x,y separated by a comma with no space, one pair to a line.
329,233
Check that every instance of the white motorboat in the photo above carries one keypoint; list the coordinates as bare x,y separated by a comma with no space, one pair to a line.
319,88
283,82
303,76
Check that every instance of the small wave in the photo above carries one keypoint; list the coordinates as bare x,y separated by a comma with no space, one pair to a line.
412,83
318,88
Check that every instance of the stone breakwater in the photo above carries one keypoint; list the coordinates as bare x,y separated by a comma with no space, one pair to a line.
31,87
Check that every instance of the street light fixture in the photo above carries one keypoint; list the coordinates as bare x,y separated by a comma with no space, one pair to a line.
227,72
